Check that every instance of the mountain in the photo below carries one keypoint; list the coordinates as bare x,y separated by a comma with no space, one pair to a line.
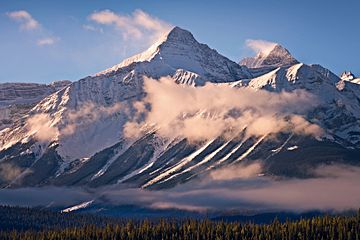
276,57
16,99
75,136
178,53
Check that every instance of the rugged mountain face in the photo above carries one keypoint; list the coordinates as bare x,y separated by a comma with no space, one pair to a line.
178,53
16,99
339,113
278,56
85,144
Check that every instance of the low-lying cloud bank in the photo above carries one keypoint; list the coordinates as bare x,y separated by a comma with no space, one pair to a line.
207,112
336,188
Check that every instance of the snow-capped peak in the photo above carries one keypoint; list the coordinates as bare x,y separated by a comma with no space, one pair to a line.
176,34
278,56
178,49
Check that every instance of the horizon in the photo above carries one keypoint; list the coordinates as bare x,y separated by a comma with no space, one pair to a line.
86,39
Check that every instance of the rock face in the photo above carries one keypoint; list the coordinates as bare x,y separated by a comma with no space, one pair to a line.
89,147
16,99
28,92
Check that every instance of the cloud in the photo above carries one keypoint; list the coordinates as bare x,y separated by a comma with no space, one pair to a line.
45,196
260,46
336,188
29,23
179,206
132,130
92,28
8,172
85,115
46,128
47,41
139,25
207,112
240,171
25,18
42,127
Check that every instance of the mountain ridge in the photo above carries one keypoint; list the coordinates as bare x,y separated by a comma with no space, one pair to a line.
17,99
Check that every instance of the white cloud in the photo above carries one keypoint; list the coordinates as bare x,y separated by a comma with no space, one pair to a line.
260,46
9,172
25,18
41,126
87,114
207,112
138,25
45,128
29,23
92,28
336,188
240,171
47,41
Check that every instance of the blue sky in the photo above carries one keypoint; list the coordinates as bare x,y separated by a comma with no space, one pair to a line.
68,41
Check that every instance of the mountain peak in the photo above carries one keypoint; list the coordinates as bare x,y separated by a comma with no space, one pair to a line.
278,56
280,51
179,50
178,33
175,35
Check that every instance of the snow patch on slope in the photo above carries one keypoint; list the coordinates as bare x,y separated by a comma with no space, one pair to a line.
178,166
77,207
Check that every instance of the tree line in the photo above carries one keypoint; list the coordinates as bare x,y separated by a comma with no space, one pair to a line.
317,228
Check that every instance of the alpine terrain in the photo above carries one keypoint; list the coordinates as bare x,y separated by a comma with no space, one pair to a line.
76,134
17,99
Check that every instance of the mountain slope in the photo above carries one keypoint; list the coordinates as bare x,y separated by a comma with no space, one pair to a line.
339,111
16,99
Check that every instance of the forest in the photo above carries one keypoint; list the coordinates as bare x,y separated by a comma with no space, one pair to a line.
31,224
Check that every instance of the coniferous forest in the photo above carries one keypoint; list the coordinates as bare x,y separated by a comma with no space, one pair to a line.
26,223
